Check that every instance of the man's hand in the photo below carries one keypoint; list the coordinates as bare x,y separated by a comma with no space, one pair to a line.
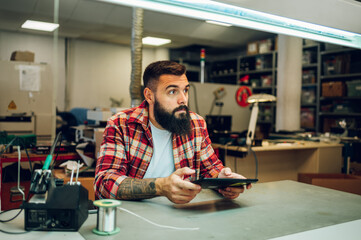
231,192
175,188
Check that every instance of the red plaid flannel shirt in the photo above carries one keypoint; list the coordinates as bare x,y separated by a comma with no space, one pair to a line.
127,149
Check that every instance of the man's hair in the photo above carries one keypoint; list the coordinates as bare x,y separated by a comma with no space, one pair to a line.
156,69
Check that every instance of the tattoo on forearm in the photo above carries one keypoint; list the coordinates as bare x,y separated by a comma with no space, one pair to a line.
135,189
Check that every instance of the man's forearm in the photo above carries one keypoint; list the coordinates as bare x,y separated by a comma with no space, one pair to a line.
135,189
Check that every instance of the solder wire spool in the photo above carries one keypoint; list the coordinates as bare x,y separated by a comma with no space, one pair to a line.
106,217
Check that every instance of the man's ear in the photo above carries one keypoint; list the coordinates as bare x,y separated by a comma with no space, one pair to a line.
148,95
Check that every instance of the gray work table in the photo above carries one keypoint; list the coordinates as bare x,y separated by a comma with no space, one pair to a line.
268,210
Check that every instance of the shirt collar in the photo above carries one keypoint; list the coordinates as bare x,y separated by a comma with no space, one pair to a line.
141,115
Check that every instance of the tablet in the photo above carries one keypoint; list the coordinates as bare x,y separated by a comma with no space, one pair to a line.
214,183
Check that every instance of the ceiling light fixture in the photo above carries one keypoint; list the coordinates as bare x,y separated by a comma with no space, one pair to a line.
155,41
41,26
219,23
242,17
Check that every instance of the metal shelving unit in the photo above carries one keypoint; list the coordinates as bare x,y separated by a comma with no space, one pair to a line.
310,88
247,66
234,71
347,67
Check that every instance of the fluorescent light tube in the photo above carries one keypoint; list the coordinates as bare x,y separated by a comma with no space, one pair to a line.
219,23
155,41
242,17
41,26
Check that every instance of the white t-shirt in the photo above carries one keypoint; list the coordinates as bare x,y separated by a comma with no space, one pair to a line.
162,162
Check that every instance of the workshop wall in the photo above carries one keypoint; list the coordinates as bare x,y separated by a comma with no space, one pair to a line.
205,96
98,71
42,46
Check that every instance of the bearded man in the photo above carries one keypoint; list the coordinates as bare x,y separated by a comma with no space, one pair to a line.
153,149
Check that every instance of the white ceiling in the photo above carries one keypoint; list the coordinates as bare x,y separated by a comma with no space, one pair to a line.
93,20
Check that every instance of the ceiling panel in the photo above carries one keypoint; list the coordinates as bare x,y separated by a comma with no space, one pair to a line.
91,12
18,5
119,16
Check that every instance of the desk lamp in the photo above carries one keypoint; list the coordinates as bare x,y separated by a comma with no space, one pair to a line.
254,100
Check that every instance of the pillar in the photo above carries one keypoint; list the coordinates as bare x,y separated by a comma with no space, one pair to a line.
289,83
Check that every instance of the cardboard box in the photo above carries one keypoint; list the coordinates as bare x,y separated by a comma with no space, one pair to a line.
25,56
337,181
252,48
333,89
265,46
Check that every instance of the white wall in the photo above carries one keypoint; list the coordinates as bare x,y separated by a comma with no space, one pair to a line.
42,46
98,71
240,115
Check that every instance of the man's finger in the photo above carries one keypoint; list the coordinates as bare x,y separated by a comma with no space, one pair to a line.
186,185
228,171
184,171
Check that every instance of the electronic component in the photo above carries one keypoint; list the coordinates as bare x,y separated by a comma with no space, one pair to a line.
61,208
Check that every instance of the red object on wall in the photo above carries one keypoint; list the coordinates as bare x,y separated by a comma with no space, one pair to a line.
242,94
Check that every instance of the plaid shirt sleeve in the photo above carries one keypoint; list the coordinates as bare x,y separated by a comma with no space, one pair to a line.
112,163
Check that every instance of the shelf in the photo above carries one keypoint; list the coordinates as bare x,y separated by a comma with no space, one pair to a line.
309,85
306,47
310,65
340,98
347,114
257,55
313,105
339,50
309,129
224,75
339,76
266,70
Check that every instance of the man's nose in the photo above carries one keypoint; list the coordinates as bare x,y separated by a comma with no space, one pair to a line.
183,98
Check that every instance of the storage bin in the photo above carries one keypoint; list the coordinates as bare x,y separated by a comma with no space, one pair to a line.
308,76
309,57
354,88
333,89
344,107
308,95
307,118
332,66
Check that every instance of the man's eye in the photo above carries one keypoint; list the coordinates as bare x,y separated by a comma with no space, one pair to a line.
171,92
186,90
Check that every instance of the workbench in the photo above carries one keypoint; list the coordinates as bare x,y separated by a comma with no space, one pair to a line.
284,160
282,209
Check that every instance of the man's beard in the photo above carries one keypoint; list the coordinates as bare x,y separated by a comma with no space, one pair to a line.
180,125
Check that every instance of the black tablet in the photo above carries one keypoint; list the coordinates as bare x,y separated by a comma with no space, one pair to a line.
214,183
